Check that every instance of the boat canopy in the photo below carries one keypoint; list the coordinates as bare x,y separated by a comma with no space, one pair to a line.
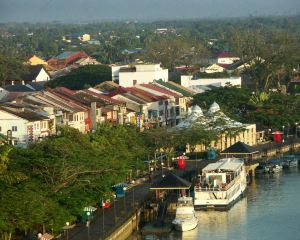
212,167
230,164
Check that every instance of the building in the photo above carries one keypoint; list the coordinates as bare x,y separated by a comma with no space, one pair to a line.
85,37
35,60
150,109
189,81
86,61
139,74
66,58
11,92
229,131
24,124
82,37
216,68
37,73
115,70
226,58
177,110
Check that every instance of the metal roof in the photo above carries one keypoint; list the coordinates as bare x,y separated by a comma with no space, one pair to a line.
174,88
239,148
171,181
229,164
65,55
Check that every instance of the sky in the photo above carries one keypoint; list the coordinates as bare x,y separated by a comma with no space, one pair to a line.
104,10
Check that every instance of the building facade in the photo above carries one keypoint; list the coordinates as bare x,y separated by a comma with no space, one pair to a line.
141,73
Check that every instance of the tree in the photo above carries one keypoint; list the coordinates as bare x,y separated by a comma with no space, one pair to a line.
83,77
11,69
173,51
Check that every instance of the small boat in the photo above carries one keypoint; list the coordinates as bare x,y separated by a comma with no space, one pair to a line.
261,168
290,161
185,219
273,168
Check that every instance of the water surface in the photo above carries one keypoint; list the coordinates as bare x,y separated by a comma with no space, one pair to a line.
271,210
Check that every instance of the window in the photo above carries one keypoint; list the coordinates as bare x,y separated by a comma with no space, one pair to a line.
71,117
14,128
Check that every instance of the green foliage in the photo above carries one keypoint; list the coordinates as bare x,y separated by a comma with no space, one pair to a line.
82,77
64,174
271,110
232,100
11,69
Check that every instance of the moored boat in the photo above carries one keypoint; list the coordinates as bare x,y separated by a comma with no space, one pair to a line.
221,184
185,219
290,161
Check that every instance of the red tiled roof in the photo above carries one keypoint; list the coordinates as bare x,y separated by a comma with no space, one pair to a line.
161,90
104,97
145,93
224,55
117,91
224,65
66,90
70,100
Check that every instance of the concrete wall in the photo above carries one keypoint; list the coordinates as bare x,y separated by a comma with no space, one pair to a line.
124,231
7,121
42,76
247,136
187,81
126,79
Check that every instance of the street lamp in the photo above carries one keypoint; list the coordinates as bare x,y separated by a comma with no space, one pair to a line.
133,194
67,228
283,131
88,224
115,214
103,204
296,133
162,169
124,188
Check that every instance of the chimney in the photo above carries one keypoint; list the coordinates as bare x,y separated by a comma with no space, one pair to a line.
93,116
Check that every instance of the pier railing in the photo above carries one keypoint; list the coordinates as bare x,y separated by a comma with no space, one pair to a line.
218,188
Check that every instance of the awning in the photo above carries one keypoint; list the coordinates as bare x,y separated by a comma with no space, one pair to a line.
89,209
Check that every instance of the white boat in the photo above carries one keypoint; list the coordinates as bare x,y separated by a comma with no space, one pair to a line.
275,169
221,184
185,219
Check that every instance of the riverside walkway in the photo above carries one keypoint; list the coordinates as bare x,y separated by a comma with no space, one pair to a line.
122,208
119,211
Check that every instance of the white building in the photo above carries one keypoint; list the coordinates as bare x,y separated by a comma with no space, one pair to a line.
25,125
115,70
141,73
214,68
189,81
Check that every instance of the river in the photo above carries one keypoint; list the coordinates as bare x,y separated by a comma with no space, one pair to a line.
270,211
